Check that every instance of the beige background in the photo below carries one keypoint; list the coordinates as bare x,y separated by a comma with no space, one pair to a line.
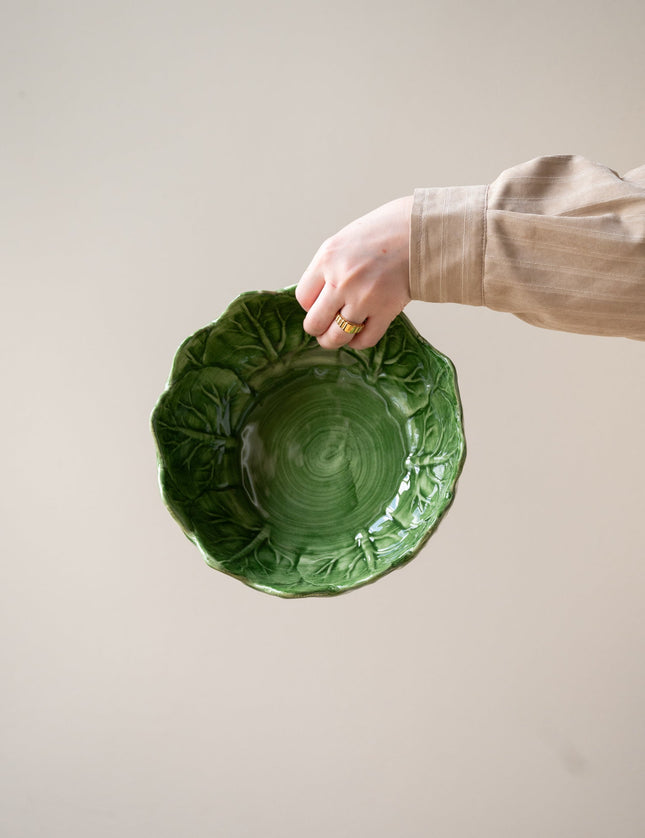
157,159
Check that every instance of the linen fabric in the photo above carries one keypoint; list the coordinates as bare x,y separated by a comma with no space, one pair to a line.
558,241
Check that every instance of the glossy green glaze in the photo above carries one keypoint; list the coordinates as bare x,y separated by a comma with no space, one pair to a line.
303,471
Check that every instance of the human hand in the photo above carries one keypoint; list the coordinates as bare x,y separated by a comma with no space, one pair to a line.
361,272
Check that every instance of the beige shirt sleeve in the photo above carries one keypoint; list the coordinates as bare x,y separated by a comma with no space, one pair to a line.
558,241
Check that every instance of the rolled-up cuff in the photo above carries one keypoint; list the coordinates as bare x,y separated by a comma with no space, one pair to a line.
447,240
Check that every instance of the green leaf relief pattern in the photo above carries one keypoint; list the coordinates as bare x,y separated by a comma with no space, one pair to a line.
303,471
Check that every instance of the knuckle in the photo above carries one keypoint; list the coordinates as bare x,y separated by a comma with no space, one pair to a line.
330,250
324,252
329,245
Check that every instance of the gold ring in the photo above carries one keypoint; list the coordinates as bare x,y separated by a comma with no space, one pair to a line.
348,326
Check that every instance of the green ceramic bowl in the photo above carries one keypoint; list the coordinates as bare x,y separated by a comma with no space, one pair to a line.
304,471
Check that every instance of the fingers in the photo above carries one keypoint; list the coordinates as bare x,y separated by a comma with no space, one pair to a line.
320,320
334,337
374,330
324,302
311,284
323,311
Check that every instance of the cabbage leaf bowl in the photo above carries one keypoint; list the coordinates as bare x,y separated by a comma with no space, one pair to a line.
304,471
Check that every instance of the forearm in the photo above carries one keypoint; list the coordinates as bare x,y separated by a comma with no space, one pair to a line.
558,241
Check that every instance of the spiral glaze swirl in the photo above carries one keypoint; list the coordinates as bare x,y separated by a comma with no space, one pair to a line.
321,455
